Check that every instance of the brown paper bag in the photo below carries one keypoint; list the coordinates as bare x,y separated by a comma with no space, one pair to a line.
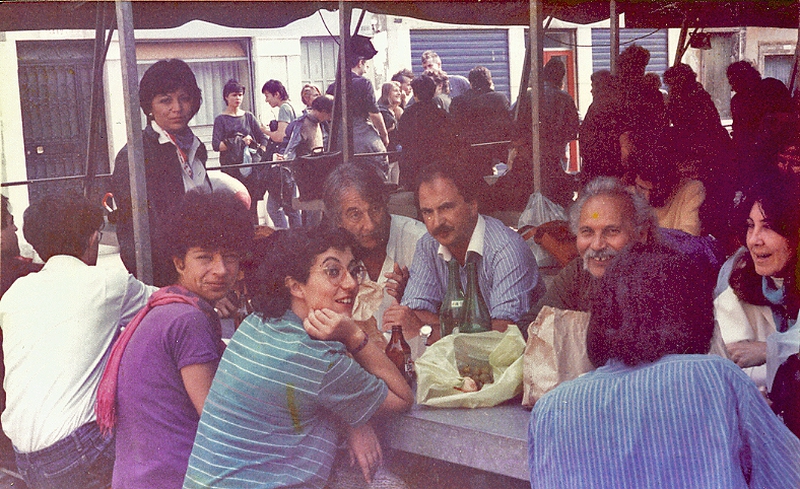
556,351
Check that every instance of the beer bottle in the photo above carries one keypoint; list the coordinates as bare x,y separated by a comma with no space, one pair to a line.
451,312
476,314
399,353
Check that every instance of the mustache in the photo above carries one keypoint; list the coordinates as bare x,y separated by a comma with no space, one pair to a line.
598,255
443,229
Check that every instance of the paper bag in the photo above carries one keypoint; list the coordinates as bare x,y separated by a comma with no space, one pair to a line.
437,369
556,351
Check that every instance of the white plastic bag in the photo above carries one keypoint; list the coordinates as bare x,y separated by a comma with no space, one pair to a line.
540,210
438,377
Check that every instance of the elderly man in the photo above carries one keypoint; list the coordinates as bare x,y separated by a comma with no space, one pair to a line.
606,218
671,416
507,273
356,200
58,326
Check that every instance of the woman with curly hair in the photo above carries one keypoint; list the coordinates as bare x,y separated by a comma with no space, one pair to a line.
298,377
161,367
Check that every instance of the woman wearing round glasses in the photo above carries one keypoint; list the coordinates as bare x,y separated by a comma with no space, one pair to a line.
298,377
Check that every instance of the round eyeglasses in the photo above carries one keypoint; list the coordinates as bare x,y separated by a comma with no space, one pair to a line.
336,273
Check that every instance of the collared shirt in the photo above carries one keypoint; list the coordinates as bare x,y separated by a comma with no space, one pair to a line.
58,326
691,421
507,271
475,245
273,414
193,170
404,233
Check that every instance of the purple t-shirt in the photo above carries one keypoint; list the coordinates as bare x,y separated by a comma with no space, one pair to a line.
156,420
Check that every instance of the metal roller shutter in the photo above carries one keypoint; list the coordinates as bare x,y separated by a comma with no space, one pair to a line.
653,41
463,49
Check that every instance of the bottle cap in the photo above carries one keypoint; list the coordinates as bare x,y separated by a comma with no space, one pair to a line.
425,330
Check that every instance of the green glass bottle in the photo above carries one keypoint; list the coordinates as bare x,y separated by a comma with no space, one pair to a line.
476,314
451,312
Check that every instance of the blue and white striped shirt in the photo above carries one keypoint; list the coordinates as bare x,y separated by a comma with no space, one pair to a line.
270,419
507,272
684,421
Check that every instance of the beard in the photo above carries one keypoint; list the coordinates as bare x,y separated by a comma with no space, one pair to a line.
606,253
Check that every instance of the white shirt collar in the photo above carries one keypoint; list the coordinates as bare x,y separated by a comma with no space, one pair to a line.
199,180
162,134
475,241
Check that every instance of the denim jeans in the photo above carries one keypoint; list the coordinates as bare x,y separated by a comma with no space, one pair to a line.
84,459
279,213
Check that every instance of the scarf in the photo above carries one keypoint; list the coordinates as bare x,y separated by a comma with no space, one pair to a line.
183,139
106,407
776,297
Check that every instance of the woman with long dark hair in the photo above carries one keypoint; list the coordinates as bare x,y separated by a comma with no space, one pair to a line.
757,314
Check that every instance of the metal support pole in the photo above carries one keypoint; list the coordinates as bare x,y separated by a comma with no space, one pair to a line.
535,53
614,31
96,131
793,85
133,120
345,11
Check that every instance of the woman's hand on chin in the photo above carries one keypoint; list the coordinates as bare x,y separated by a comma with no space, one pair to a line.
327,325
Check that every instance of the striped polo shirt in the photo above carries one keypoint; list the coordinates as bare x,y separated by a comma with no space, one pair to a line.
271,416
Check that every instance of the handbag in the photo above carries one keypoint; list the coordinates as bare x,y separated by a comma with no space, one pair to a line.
310,172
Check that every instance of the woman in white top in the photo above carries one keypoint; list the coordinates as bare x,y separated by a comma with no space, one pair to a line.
757,314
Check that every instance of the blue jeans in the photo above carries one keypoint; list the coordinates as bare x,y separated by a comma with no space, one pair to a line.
84,459
279,213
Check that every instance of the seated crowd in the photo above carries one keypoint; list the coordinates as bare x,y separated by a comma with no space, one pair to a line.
110,381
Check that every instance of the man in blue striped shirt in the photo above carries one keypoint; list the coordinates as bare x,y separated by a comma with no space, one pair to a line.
658,412
507,273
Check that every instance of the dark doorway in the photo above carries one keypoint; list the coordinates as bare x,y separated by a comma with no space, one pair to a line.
55,81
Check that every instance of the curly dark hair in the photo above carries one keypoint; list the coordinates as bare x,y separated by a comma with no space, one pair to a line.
166,76
214,221
61,224
288,253
651,302
779,198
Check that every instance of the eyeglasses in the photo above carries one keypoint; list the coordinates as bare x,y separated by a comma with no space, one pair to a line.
335,273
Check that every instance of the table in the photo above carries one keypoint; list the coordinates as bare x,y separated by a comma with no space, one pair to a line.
490,439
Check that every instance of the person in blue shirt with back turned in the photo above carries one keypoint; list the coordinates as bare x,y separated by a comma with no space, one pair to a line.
658,411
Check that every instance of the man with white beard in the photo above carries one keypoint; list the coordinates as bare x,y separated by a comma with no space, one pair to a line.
606,218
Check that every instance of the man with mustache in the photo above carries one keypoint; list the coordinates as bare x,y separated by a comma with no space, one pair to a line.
356,199
606,218
507,273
